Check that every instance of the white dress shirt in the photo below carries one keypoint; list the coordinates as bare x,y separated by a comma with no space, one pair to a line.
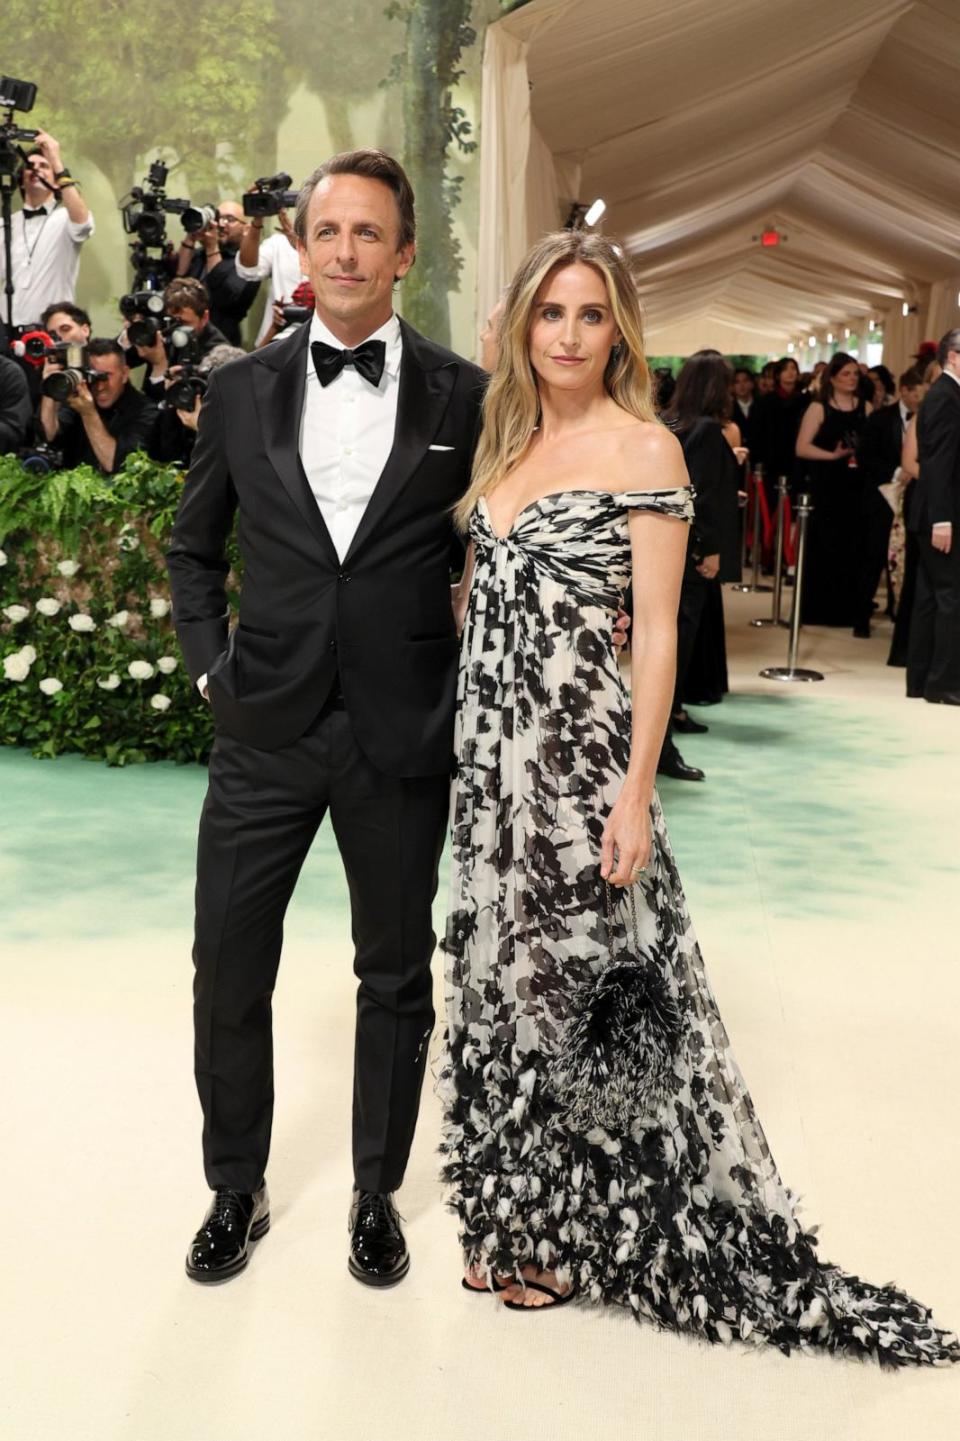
346,432
45,251
279,260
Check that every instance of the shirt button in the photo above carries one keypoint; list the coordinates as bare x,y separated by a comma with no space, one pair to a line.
341,505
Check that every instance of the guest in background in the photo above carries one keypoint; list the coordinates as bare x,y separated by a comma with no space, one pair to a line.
767,380
933,665
826,447
176,430
697,413
275,259
46,235
878,461
744,405
777,425
884,387
67,323
188,302
903,559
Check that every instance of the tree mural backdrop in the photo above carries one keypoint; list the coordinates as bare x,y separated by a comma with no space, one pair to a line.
209,94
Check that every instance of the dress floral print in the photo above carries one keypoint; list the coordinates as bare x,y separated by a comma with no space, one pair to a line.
681,1214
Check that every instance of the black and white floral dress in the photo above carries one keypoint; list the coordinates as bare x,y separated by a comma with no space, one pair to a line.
680,1212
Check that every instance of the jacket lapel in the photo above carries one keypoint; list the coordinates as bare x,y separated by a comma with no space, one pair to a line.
427,379
278,385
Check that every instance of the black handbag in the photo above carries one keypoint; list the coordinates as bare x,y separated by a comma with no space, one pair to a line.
621,1039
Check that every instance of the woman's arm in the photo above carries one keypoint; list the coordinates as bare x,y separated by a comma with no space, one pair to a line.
909,455
658,546
809,425
460,593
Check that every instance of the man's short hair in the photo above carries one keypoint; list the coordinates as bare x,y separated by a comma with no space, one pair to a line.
65,307
951,341
910,378
744,370
187,293
220,355
371,165
102,345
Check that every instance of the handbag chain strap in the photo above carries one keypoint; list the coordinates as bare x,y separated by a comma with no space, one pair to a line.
611,906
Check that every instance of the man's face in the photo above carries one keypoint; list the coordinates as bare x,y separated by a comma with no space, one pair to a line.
35,191
188,316
231,223
63,327
743,385
352,252
107,392
911,395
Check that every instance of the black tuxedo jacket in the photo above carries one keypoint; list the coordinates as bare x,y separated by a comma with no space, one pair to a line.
747,423
382,619
938,450
880,445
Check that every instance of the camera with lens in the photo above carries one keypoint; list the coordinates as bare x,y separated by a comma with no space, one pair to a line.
296,314
77,371
40,459
272,195
197,217
143,312
183,393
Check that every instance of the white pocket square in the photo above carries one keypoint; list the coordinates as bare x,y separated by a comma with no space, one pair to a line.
440,447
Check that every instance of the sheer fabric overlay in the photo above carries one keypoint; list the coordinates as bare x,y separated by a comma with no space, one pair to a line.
682,1217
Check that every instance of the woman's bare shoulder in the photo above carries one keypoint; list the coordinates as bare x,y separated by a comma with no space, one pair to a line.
646,456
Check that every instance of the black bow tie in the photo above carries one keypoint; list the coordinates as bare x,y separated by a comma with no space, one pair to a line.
368,359
31,214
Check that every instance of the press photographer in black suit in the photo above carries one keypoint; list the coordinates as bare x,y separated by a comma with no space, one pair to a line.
933,664
340,451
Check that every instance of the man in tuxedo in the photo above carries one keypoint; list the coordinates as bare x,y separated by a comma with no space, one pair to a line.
341,451
744,412
878,460
933,663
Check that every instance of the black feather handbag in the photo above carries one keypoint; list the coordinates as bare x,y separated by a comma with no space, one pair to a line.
620,1042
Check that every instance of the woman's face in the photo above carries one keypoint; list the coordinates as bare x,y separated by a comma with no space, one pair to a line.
789,376
572,329
847,380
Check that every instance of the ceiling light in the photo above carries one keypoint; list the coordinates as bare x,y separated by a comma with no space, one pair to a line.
829,337
595,212
790,348
846,332
873,325
812,341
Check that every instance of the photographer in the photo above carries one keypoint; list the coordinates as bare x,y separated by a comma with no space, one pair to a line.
66,322
187,302
16,412
276,257
46,234
106,419
210,255
177,426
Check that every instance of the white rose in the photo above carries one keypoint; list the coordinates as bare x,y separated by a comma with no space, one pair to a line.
128,542
16,613
51,685
82,623
167,664
28,653
3,557
16,666
159,607
68,568
160,702
48,606
140,670
119,620
111,682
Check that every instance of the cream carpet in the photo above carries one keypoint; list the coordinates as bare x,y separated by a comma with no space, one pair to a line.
820,860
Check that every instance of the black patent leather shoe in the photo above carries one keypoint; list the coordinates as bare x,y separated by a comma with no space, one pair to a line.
677,767
378,1252
221,1248
687,726
946,697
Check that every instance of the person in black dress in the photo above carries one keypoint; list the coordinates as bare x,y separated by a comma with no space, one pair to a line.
776,424
826,446
697,413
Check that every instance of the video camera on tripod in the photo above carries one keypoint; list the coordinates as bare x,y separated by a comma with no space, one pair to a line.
144,213
14,95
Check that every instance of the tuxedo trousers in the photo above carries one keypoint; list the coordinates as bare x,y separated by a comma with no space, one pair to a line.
933,658
260,816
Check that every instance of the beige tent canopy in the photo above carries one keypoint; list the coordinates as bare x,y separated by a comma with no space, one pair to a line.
701,122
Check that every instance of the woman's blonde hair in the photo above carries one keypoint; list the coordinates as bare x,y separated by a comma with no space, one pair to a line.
511,408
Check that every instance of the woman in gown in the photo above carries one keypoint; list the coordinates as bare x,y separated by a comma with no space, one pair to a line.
632,1169
826,444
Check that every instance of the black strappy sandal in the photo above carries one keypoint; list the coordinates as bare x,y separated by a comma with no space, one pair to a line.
492,1290
558,1298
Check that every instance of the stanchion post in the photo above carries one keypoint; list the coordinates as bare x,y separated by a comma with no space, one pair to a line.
747,587
791,672
775,618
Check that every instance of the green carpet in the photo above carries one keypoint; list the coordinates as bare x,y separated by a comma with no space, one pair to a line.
794,816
